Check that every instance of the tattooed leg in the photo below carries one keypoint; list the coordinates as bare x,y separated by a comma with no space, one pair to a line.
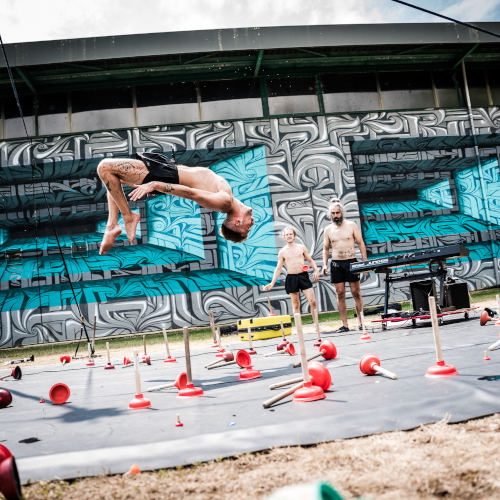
114,173
112,228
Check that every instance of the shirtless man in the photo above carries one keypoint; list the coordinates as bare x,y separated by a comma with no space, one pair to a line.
154,173
292,256
341,235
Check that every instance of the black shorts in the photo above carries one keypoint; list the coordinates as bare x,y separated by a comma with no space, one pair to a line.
160,168
341,271
296,282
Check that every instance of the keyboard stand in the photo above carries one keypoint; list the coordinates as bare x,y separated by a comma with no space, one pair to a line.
437,269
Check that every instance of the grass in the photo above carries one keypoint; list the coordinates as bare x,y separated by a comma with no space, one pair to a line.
175,336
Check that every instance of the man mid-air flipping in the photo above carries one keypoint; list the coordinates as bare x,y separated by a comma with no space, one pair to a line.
157,174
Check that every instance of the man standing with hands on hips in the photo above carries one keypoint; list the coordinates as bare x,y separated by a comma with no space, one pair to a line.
341,236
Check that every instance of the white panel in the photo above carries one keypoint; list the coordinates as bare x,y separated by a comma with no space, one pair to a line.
14,127
284,105
407,99
53,124
169,113
350,101
102,119
230,109
447,97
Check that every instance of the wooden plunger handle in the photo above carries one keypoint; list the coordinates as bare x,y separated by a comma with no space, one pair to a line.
286,382
249,331
137,376
492,347
107,353
269,305
93,334
303,359
217,333
314,314
165,338
144,343
281,395
185,333
314,356
435,327
158,387
212,325
383,371
282,330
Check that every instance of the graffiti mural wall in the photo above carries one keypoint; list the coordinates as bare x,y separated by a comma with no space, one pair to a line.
411,180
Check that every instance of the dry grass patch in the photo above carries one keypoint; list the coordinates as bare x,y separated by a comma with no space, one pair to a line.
459,461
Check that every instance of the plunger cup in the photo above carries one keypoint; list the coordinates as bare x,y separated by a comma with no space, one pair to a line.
16,374
139,401
190,391
370,365
440,369
484,318
169,358
308,392
5,398
327,349
59,393
109,366
244,360
10,485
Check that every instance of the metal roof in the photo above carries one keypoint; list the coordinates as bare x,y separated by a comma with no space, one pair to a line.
61,65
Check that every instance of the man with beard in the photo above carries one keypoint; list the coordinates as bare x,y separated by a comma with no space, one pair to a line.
340,236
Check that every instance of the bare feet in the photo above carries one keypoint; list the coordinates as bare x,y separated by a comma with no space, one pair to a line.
131,226
108,239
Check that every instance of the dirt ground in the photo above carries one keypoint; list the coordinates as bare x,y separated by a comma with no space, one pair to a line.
455,461
459,461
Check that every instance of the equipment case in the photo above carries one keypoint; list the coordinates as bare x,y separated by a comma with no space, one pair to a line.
264,328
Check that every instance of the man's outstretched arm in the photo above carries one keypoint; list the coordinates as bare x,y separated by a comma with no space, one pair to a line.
219,201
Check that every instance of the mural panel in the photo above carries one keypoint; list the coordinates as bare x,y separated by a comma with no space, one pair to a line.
411,180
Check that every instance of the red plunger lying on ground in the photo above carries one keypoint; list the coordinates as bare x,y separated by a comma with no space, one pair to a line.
180,383
327,349
370,365
16,374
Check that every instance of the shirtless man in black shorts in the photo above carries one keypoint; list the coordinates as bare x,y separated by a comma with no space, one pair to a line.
154,173
292,256
341,235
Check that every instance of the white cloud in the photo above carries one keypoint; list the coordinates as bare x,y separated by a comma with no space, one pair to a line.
471,10
30,20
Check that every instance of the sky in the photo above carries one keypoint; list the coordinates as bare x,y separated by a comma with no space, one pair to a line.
36,20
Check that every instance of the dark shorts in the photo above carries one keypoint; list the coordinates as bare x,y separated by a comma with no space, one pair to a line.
296,282
161,168
340,271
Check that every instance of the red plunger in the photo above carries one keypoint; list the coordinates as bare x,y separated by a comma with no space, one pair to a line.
59,393
10,486
440,369
245,361
169,358
139,401
484,318
64,359
16,374
190,391
308,392
5,398
370,365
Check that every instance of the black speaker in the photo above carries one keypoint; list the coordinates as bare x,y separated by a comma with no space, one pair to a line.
420,293
457,295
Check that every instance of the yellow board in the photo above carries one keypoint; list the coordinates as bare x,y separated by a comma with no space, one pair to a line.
264,328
